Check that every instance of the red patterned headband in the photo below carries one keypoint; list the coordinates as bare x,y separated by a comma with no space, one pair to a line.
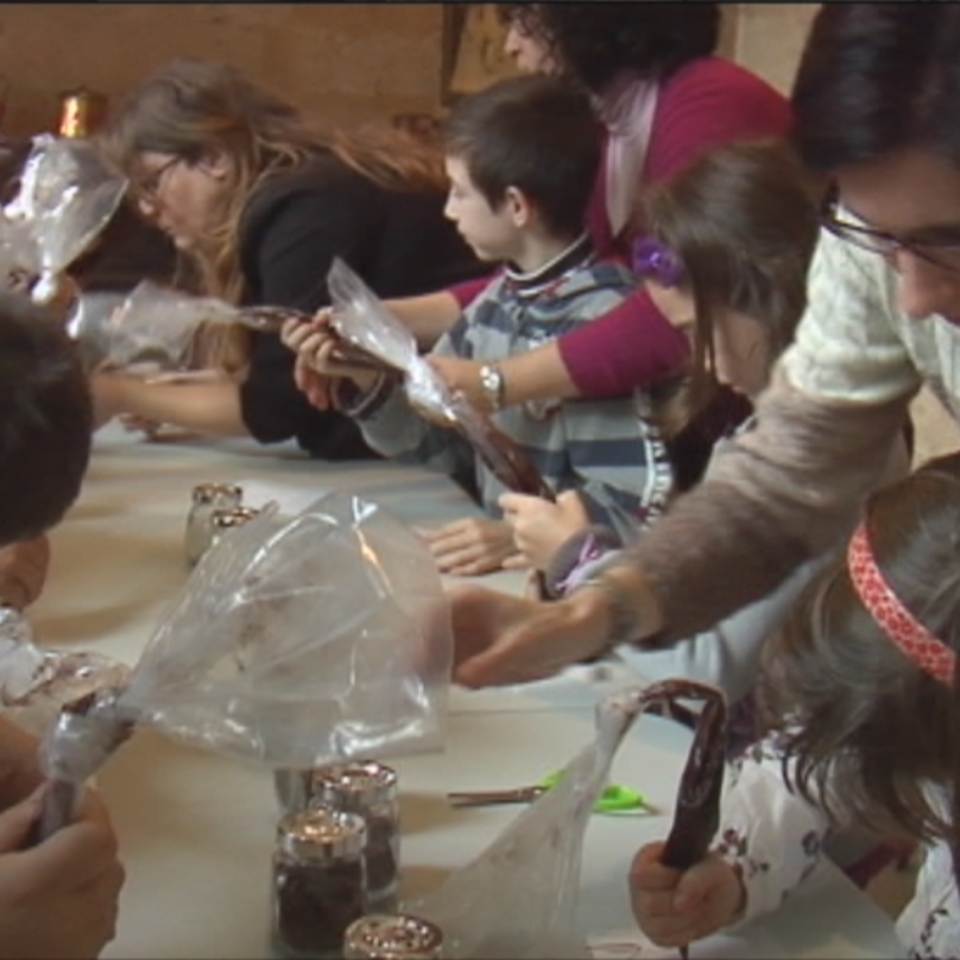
912,637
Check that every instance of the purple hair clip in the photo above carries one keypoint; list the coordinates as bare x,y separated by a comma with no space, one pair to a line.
652,259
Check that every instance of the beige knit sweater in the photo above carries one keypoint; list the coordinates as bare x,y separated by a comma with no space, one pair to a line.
823,437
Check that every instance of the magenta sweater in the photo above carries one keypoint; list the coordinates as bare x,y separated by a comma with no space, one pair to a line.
708,102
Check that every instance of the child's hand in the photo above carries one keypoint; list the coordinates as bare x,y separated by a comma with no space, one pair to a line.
58,899
539,526
315,345
315,385
673,907
23,571
467,548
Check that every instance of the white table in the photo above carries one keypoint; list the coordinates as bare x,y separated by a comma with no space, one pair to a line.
196,830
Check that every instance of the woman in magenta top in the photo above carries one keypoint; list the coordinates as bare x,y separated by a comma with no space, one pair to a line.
664,98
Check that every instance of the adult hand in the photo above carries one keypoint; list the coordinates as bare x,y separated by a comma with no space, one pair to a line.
23,571
136,424
539,526
57,899
501,639
674,907
467,548
109,391
463,376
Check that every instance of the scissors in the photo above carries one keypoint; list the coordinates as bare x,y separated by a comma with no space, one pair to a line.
614,799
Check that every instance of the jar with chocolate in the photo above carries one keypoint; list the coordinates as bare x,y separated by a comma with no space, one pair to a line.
370,790
293,786
206,498
319,881
398,936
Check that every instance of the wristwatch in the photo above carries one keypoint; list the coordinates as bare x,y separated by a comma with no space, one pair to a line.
491,382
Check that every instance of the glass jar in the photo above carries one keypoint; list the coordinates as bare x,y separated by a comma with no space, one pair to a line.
319,881
206,498
370,790
293,786
223,520
397,936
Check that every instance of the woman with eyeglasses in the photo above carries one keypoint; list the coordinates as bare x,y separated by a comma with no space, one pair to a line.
259,202
874,105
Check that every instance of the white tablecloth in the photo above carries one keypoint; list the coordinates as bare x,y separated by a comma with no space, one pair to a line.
196,830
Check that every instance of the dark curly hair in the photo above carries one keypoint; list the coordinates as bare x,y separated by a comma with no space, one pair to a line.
593,42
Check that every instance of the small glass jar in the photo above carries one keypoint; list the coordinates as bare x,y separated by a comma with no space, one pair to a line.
293,786
223,520
397,936
207,497
319,881
370,790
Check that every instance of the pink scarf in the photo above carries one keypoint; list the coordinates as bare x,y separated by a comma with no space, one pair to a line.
627,109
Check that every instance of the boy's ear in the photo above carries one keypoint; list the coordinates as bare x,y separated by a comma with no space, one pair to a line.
521,207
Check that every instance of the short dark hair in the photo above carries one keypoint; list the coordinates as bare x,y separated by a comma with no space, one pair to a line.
593,42
46,420
536,133
876,77
859,711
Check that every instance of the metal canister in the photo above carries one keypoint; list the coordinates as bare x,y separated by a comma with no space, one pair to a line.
367,788
319,881
82,112
398,936
207,498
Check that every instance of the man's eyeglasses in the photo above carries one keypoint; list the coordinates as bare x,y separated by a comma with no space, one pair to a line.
937,245
149,185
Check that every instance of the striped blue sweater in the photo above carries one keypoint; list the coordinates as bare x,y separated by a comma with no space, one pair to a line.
608,450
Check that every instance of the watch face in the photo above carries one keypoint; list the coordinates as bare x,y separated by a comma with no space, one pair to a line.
492,382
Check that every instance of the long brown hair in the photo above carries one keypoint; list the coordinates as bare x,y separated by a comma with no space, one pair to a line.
742,222
856,710
191,107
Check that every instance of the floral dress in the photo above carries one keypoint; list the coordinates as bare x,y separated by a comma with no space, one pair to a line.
775,837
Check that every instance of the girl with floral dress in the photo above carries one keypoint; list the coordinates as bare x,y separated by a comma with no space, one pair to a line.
863,683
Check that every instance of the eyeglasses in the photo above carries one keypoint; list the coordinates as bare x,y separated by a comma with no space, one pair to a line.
937,245
148,186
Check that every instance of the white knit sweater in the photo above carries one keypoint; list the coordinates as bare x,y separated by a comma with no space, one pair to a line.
823,435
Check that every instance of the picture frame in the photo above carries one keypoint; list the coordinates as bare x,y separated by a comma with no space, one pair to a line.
472,55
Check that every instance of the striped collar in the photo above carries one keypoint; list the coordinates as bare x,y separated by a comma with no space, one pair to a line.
532,283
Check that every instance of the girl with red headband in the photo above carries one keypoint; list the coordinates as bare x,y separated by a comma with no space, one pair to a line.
863,686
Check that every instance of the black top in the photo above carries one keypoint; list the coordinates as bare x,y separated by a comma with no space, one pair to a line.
399,244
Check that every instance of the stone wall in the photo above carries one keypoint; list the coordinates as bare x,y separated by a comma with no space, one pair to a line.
346,62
